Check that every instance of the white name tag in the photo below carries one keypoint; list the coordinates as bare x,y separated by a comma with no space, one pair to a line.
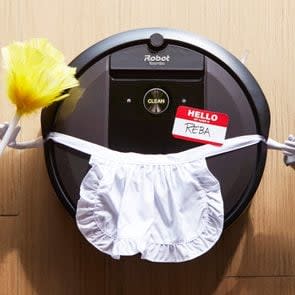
200,125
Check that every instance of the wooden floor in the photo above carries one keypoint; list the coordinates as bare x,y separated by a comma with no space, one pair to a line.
41,251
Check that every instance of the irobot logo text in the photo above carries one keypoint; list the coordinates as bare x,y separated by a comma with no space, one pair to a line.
156,59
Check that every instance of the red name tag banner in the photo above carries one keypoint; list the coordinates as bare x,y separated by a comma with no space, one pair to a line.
199,125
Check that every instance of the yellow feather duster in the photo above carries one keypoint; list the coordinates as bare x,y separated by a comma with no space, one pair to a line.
36,77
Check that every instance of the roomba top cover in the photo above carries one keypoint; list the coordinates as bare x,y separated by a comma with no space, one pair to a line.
136,85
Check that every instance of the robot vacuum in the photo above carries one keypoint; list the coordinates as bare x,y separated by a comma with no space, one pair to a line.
133,83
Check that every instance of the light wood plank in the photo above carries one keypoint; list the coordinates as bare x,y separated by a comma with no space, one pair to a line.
8,256
257,286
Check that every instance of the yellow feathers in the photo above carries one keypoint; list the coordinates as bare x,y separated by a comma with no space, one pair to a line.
36,75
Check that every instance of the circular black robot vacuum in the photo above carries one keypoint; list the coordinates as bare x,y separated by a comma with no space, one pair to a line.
133,83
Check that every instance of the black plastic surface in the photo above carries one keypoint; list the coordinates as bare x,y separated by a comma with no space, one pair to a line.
156,42
217,58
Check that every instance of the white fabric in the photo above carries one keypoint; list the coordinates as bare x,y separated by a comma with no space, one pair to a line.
168,207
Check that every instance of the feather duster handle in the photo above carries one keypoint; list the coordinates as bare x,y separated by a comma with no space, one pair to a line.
6,139
36,76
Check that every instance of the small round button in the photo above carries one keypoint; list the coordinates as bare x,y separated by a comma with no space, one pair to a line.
156,101
156,41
